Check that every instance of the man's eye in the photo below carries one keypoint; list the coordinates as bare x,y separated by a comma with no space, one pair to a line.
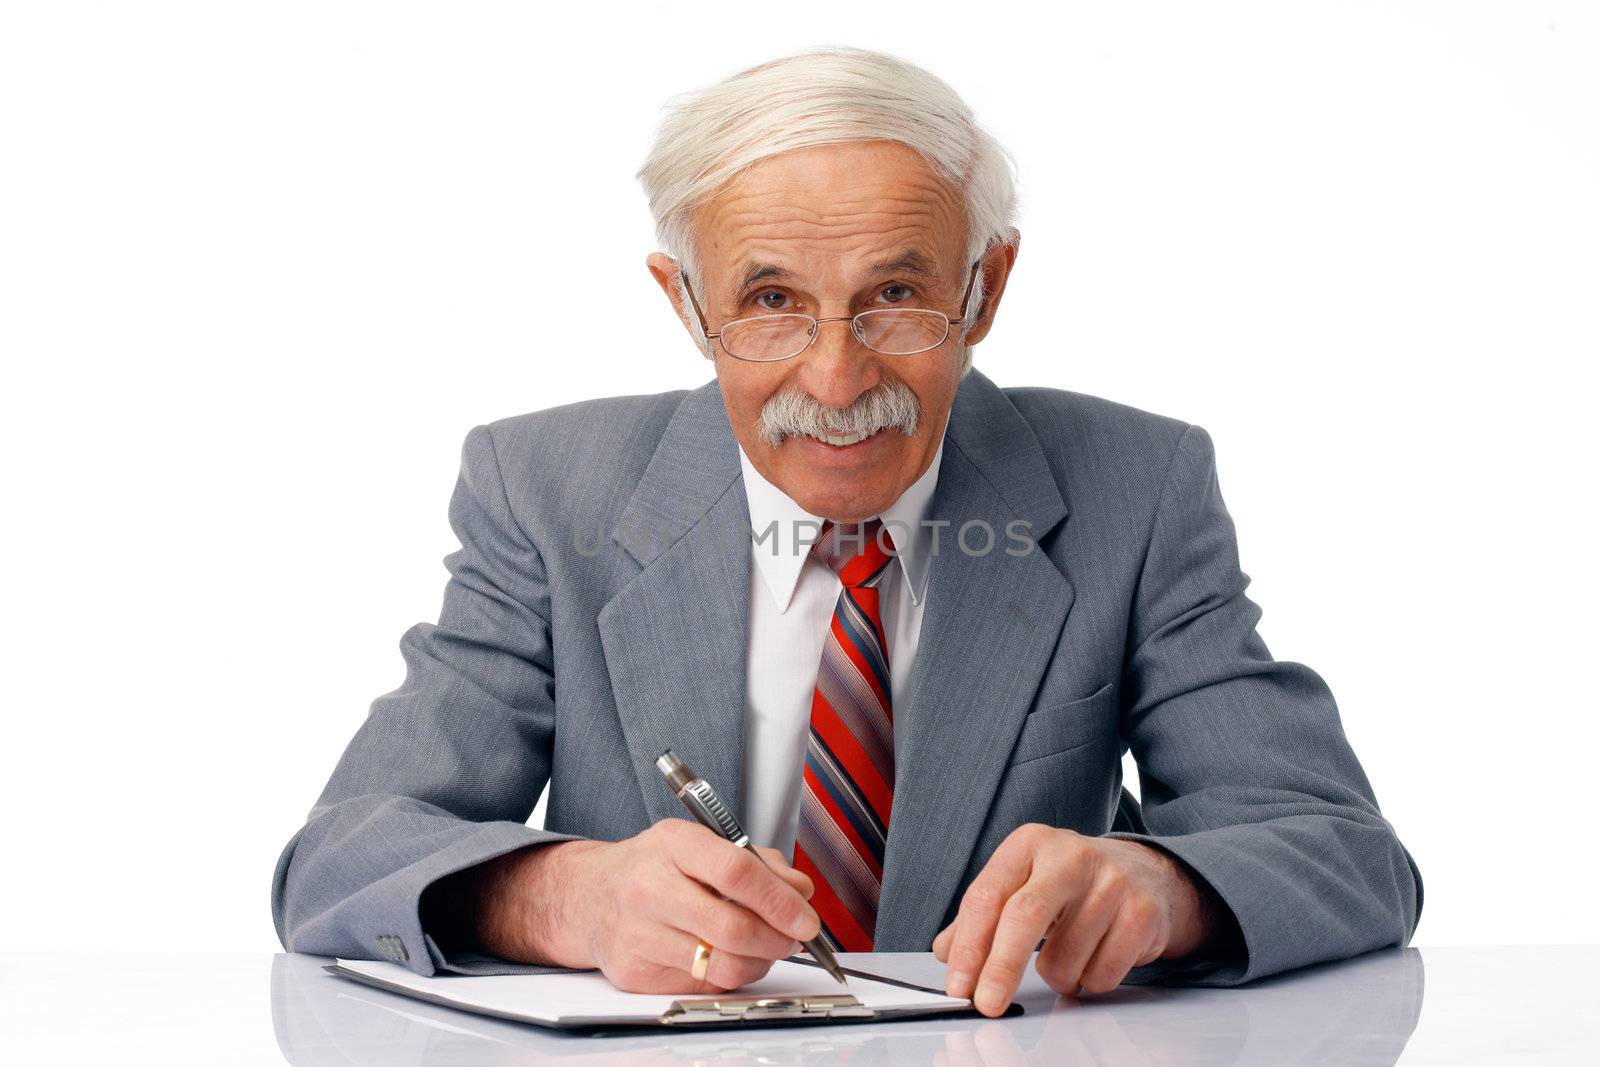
905,292
762,300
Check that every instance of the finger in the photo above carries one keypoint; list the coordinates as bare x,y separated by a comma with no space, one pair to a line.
780,865
737,874
647,976
725,970
941,943
797,880
774,859
1152,952
656,958
1026,915
1076,936
727,924
1129,938
980,910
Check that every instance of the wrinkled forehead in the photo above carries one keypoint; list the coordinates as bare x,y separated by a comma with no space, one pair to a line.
833,216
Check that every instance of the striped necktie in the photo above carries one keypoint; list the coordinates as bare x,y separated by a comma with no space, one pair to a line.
849,771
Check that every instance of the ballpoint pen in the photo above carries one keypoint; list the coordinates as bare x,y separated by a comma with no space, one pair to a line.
704,804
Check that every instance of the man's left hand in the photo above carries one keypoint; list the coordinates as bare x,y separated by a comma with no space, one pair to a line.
1105,905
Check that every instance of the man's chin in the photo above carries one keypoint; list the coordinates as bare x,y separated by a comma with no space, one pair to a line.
839,481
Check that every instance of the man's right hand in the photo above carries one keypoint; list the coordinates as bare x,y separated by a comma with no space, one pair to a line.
636,908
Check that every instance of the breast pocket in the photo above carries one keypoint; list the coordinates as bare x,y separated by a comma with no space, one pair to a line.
1063,727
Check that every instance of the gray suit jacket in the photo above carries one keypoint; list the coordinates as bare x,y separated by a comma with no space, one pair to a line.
596,615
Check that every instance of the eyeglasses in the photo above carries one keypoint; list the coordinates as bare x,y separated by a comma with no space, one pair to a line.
784,335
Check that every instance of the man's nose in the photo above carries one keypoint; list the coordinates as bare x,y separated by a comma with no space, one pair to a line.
837,367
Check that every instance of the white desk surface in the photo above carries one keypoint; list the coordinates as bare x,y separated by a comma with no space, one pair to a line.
1435,1005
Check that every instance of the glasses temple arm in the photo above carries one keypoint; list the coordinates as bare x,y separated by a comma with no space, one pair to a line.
967,296
699,316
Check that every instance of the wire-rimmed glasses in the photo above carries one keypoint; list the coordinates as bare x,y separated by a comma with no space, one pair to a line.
786,334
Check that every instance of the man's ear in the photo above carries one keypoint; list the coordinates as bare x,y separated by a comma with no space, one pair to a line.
665,270
996,267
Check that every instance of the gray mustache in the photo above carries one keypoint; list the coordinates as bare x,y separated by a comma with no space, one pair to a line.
890,404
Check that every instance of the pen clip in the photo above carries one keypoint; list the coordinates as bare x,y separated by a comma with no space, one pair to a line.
722,820
701,800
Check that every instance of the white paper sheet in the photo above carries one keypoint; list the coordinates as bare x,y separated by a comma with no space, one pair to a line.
586,994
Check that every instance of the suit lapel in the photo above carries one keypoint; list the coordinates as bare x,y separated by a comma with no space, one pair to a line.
990,625
675,635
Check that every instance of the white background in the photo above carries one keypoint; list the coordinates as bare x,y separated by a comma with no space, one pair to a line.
263,265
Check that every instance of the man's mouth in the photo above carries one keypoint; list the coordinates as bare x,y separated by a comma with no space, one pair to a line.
841,440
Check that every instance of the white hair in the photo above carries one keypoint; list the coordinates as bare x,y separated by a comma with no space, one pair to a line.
828,95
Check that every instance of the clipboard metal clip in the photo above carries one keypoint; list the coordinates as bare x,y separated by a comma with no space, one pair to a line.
751,1008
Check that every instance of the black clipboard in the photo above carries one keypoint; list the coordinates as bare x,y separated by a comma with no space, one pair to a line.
731,1011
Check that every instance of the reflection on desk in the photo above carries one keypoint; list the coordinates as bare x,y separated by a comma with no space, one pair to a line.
1505,1004
1361,1011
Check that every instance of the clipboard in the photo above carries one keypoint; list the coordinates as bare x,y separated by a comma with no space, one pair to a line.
599,1011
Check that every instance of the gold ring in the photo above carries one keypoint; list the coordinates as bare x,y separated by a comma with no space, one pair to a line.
702,961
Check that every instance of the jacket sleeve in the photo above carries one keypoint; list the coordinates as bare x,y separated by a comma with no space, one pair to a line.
444,772
1244,769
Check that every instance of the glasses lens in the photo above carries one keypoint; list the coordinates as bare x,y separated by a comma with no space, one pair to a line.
902,331
767,336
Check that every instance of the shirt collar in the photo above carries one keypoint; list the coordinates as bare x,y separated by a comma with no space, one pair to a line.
781,554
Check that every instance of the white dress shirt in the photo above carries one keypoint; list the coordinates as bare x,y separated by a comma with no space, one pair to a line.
792,597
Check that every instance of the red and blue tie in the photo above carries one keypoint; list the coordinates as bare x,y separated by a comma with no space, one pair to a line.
849,770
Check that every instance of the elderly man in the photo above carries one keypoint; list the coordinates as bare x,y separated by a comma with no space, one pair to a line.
944,613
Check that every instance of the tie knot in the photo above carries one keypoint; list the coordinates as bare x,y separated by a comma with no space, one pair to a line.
859,553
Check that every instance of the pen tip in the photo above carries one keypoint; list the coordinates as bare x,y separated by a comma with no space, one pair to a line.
839,974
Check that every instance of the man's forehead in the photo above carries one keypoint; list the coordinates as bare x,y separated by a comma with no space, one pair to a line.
913,261
854,208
